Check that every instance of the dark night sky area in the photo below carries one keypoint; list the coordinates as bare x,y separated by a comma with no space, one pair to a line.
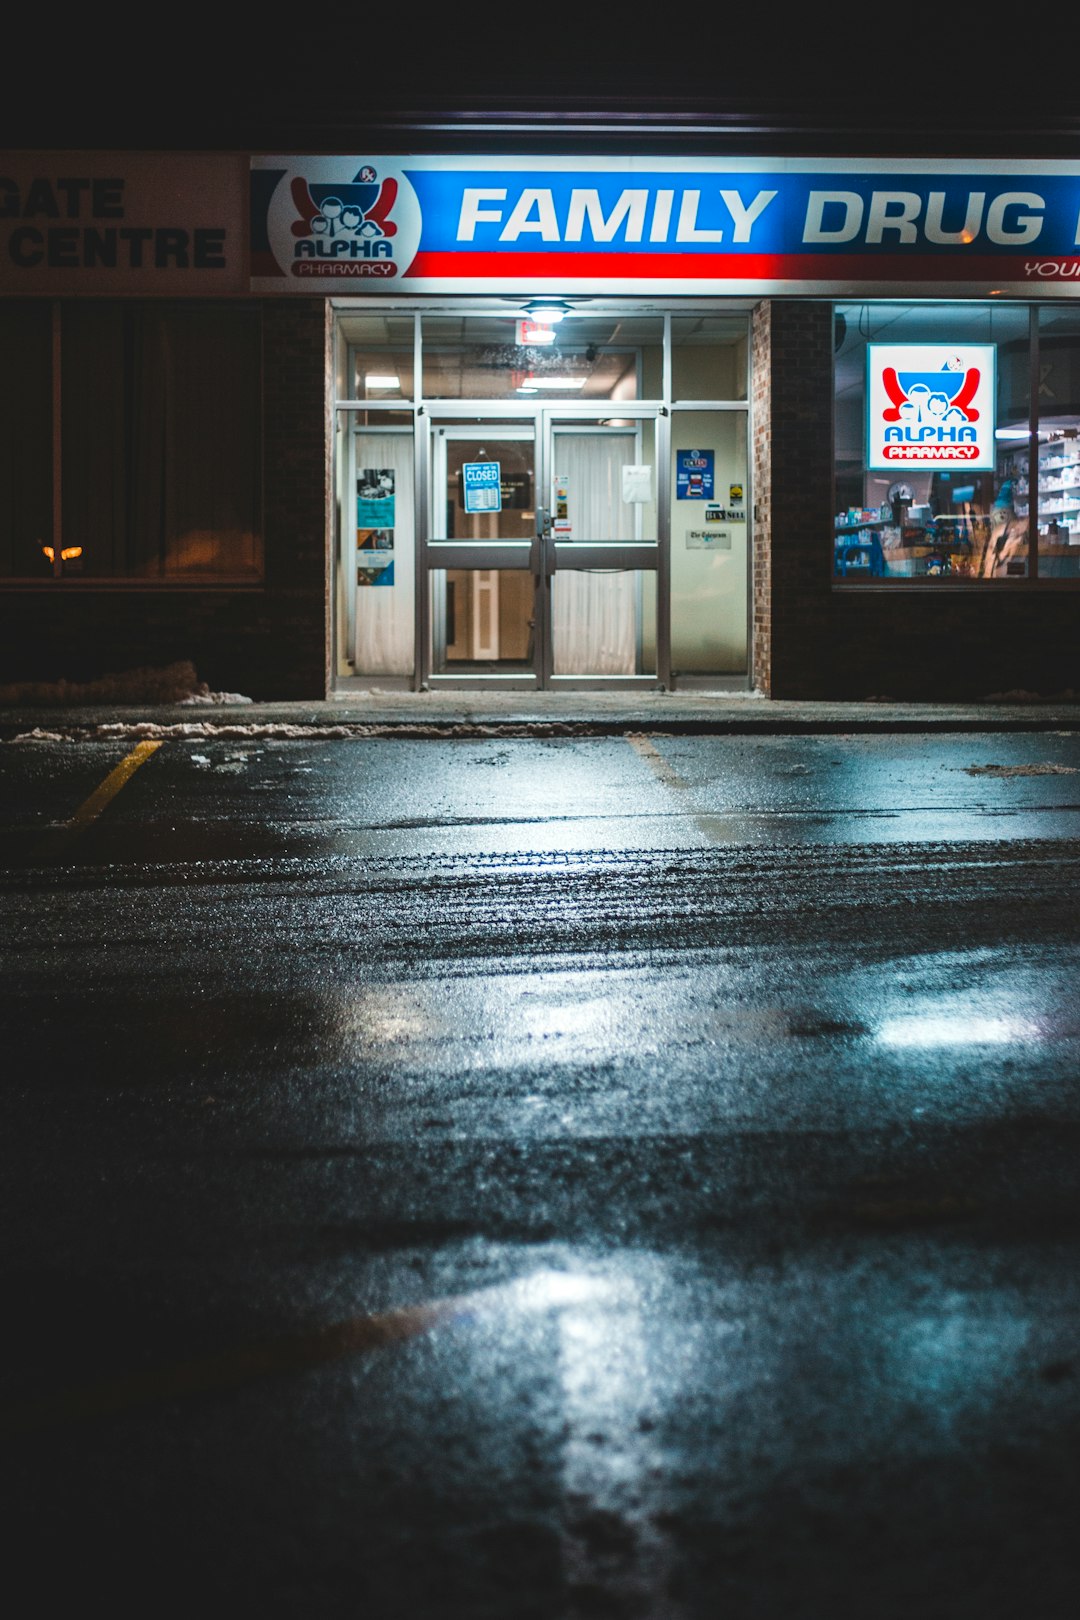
219,80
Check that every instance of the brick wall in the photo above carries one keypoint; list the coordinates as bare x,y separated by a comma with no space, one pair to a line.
791,358
761,517
297,494
811,641
269,643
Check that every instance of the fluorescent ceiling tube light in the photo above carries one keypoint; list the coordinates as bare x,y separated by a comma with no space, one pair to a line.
382,379
558,382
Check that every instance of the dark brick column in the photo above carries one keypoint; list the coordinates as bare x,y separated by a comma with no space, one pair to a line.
297,495
791,387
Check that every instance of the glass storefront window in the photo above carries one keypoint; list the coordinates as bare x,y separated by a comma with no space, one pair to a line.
381,350
377,552
932,424
506,357
709,357
709,544
565,575
603,622
161,444
26,517
1057,487
482,621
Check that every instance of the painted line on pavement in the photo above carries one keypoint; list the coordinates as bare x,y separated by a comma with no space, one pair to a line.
56,836
232,1369
92,807
648,751
714,828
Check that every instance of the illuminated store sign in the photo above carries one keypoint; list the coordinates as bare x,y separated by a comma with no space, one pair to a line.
930,406
622,224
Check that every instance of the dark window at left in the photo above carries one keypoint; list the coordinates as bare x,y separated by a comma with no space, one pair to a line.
158,442
26,501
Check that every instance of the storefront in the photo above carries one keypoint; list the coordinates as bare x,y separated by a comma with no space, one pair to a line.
801,426
582,500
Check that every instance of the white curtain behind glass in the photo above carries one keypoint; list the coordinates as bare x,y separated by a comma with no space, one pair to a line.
595,614
385,624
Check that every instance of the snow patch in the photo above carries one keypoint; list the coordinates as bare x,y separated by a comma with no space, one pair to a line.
1021,770
1019,694
173,684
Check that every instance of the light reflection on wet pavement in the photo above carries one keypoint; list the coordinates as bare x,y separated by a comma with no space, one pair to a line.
398,797
509,1180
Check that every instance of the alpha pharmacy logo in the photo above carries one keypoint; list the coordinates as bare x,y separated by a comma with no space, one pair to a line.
344,227
929,405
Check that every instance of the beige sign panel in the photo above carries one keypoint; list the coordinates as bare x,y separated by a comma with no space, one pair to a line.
108,224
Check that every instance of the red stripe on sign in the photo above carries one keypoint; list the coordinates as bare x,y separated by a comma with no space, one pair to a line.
744,266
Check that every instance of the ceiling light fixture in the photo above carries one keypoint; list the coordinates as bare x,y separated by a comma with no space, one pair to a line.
547,311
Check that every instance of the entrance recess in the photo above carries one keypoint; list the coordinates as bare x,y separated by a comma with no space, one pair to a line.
539,548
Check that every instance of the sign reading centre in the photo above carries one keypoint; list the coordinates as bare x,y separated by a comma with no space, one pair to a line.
930,405
121,223
599,224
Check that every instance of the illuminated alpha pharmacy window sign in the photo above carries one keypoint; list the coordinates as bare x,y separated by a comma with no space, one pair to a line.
930,405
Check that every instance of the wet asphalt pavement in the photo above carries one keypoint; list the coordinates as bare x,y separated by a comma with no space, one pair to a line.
543,1177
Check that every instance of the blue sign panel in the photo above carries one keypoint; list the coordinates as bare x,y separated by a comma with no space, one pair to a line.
481,486
694,475
634,224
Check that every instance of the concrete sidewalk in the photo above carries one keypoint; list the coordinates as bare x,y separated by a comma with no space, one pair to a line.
601,713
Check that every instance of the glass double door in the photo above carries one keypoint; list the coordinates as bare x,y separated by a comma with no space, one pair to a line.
541,560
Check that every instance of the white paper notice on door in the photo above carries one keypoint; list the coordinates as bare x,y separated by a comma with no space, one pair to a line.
636,485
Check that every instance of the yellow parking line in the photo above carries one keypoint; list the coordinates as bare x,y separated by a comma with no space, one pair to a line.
232,1369
655,759
54,841
101,796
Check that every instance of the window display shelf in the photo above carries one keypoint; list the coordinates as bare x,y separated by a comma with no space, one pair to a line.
1059,484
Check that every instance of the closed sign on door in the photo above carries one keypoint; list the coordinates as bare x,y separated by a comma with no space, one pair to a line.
481,481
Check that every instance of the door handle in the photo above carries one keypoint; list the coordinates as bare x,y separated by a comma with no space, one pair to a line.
542,556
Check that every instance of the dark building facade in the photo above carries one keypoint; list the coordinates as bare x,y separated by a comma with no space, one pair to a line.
665,406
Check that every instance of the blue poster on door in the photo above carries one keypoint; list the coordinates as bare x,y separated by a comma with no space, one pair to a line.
375,498
482,486
694,475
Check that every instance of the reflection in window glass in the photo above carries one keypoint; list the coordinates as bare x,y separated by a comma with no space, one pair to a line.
483,621
161,441
506,357
379,553
381,347
26,439
908,376
1056,490
508,506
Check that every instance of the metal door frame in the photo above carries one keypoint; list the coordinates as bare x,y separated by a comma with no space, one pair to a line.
544,554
